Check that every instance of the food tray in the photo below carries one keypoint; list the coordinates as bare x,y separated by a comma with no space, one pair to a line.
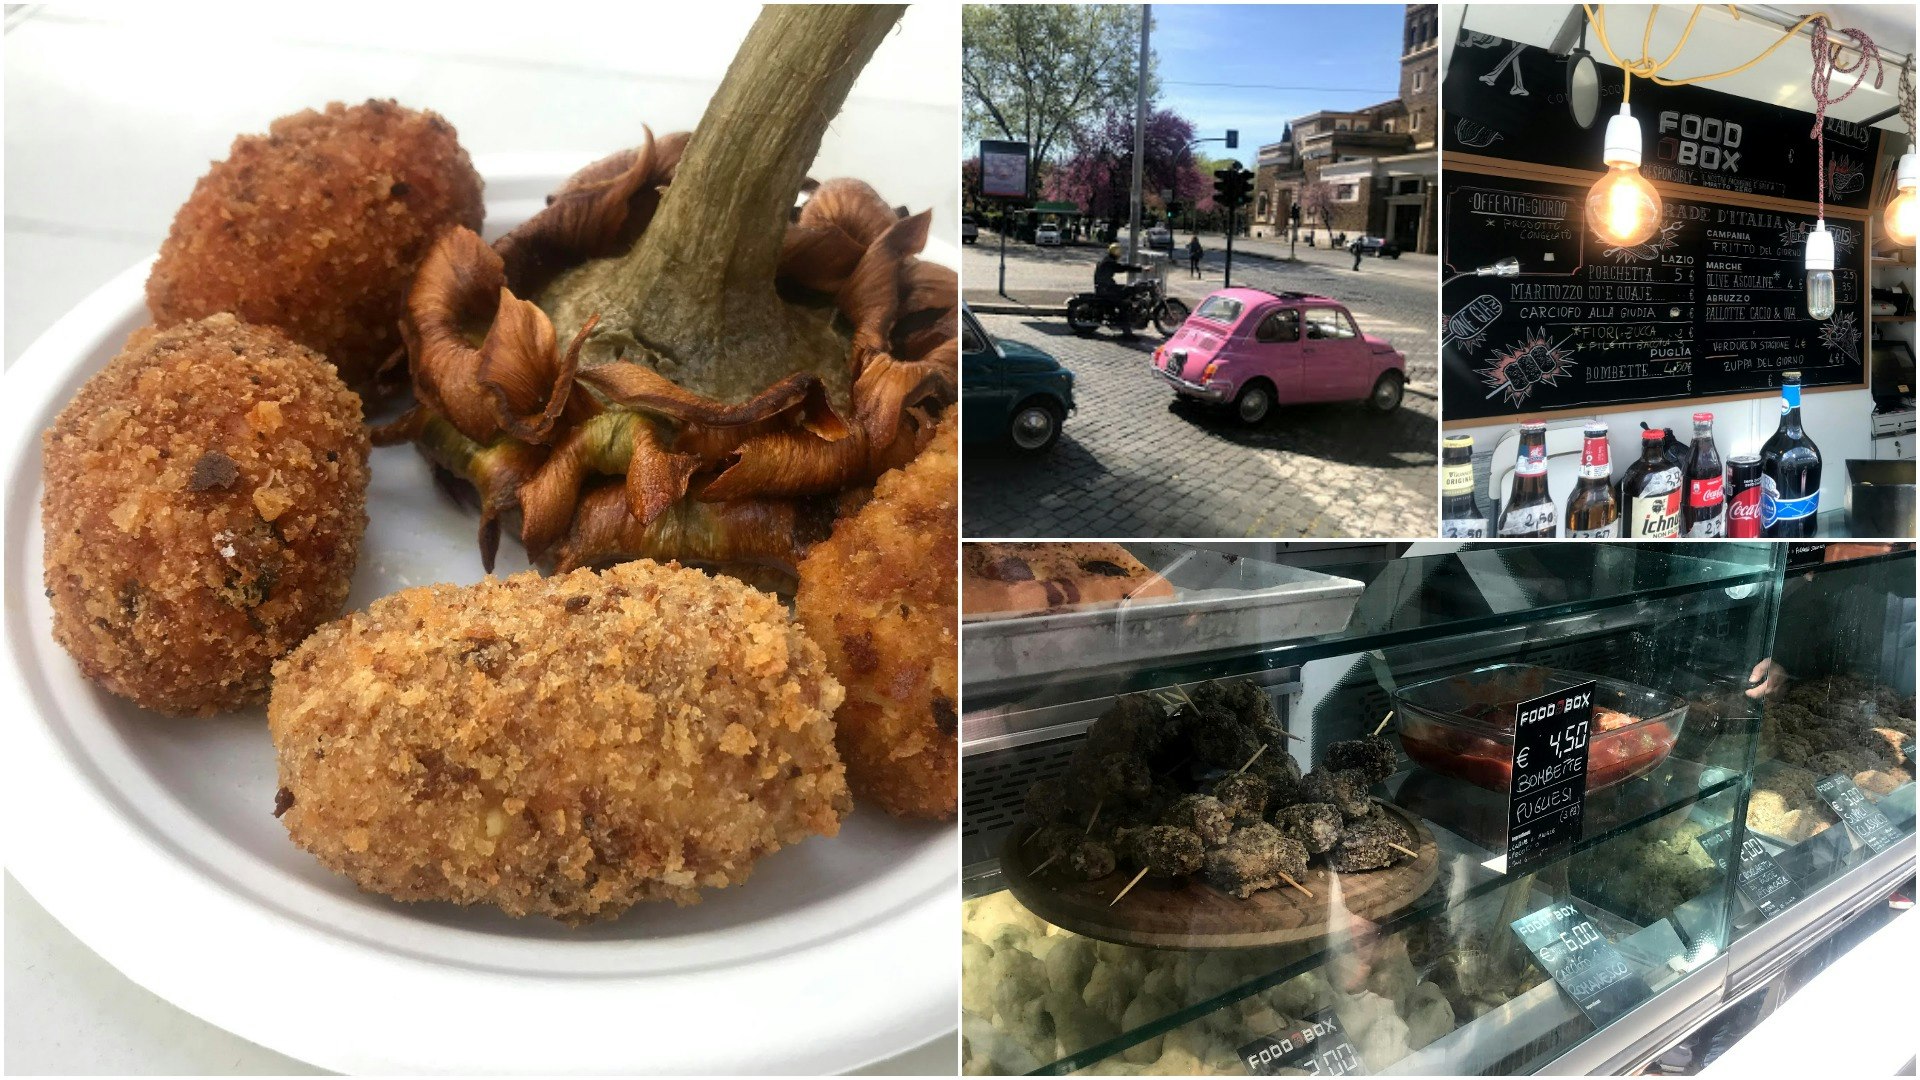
1219,602
1453,725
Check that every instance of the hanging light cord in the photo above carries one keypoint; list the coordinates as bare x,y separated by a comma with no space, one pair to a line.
1825,62
1648,68
1906,100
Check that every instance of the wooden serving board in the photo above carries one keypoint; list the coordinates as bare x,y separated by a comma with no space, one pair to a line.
1190,914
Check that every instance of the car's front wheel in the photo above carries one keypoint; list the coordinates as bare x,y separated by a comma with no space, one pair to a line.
1387,391
1083,315
1254,404
1035,426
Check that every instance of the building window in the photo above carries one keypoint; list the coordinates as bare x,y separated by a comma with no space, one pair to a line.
1419,119
1407,186
1419,79
1340,125
1263,206
1346,192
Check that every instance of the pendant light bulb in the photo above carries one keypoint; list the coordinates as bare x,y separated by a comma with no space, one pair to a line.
1903,212
1820,271
1623,209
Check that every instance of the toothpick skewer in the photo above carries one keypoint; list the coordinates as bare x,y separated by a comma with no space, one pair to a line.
1297,885
1044,865
1383,722
1251,760
1032,836
1095,817
1130,885
1403,851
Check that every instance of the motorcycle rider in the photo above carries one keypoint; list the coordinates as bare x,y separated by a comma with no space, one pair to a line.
1110,292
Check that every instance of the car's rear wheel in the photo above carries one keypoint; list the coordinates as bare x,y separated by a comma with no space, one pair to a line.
1254,404
1168,315
1035,426
1083,315
1387,391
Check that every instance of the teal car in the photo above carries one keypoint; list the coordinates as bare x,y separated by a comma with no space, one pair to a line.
1010,392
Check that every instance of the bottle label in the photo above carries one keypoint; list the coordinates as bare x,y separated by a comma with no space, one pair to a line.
1706,491
1610,529
1708,528
1464,528
1789,397
1456,479
1532,460
1528,520
1775,509
1594,461
1601,471
1654,516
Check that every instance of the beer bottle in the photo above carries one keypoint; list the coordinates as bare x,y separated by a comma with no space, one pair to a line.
1650,492
1459,514
1529,509
1592,510
1705,512
1789,470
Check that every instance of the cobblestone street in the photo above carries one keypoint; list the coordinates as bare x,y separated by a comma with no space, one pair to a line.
1134,462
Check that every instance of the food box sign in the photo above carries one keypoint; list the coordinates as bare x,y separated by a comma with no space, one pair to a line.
1760,878
1547,801
1867,821
1582,962
1319,1047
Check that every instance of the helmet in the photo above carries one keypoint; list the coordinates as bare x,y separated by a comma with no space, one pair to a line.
1113,249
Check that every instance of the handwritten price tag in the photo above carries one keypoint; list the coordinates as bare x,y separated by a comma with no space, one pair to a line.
1582,961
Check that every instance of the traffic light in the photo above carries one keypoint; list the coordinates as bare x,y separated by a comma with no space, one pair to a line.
1233,139
1233,186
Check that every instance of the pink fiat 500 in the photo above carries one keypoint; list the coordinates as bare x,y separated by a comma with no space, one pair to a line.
1253,349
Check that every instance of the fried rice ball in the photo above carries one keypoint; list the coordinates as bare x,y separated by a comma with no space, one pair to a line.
317,228
881,596
205,500
565,746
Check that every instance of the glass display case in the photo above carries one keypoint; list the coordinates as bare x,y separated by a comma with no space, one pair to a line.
1187,851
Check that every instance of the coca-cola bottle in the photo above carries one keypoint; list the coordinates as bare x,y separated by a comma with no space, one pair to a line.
1460,517
1592,509
1789,470
1529,509
1650,491
1704,514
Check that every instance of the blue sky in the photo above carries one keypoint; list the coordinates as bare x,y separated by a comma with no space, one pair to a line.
1323,49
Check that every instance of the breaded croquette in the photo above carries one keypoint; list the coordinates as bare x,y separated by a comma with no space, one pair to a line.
317,228
205,500
565,746
880,596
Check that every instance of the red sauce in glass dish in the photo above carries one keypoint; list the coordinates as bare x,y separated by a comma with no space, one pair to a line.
1484,761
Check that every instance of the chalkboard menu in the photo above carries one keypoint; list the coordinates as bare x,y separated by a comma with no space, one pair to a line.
1585,964
1319,1046
1508,100
1867,821
1759,878
1548,798
1714,304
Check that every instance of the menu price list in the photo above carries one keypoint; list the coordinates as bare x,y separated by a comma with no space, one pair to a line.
1866,820
1585,965
1319,1046
1546,803
1759,878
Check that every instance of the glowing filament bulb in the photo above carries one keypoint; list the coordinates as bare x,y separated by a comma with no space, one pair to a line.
1623,209
1902,218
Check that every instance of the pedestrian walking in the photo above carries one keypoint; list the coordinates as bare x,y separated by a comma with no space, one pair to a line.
1356,249
1193,255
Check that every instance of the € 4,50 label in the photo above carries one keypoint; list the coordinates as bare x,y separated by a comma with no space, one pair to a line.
1319,1046
1548,798
1584,963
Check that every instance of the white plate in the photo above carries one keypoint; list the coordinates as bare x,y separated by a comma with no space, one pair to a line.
153,840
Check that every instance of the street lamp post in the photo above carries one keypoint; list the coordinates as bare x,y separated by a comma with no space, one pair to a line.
1139,136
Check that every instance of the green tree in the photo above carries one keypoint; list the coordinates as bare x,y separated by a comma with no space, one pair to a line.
1040,73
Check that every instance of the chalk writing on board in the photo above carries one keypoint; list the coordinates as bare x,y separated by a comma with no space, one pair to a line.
1517,369
1666,240
1840,335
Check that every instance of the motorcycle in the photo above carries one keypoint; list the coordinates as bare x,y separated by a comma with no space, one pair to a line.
1143,303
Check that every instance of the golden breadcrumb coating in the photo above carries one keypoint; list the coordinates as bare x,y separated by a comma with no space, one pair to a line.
564,746
205,499
881,596
317,228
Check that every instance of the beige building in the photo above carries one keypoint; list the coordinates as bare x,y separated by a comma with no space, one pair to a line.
1380,161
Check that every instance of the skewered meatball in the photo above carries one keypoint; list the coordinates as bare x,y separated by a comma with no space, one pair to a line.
1053,843
1223,745
205,498
1047,801
1240,698
1206,816
1343,789
1373,757
1244,795
1363,844
1121,777
1133,724
1091,860
1315,825
1254,858
1163,850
